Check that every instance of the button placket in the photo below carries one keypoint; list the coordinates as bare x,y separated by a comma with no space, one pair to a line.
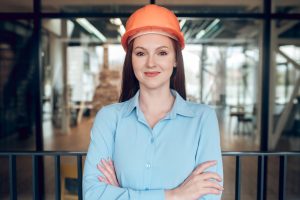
152,140
148,165
149,161
152,136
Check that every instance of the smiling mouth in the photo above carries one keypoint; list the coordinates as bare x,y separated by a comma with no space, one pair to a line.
151,74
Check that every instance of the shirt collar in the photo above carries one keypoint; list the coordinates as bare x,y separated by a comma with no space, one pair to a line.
180,106
132,103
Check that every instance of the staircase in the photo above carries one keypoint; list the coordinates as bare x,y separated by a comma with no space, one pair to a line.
16,102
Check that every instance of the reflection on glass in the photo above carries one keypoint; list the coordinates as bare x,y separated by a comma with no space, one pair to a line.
16,79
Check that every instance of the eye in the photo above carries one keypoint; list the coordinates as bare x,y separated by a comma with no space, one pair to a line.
163,53
139,53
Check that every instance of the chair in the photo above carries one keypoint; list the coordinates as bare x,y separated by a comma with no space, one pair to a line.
245,120
69,180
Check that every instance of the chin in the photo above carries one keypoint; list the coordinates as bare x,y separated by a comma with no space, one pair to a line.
154,86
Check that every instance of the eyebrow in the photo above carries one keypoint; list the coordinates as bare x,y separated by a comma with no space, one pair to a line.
155,49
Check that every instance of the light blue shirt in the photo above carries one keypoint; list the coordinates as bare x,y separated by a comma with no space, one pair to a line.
148,161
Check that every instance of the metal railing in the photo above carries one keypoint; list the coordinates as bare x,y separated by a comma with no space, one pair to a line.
35,155
261,175
262,157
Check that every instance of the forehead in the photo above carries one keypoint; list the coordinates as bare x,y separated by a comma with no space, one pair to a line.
152,41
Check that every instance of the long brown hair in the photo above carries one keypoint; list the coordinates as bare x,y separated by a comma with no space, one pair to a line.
130,84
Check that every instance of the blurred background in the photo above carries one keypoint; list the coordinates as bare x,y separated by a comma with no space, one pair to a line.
61,61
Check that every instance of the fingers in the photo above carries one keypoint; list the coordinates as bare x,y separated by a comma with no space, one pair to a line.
203,166
110,166
211,175
108,170
106,173
210,191
103,179
110,162
107,166
214,185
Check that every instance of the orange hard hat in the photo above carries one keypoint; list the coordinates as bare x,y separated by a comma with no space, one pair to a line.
154,19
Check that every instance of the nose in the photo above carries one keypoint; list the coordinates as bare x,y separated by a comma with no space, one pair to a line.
151,61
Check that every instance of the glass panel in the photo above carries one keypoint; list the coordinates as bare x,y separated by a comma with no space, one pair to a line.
89,53
16,105
105,6
286,36
222,66
16,6
287,6
217,6
224,48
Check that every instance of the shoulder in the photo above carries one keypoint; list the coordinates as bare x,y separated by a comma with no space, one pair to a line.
200,110
111,111
108,116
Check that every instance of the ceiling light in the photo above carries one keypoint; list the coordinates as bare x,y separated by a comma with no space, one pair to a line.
208,28
91,28
181,23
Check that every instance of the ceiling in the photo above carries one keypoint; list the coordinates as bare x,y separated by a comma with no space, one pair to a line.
114,5
200,30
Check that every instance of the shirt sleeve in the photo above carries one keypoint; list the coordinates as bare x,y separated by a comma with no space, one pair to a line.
101,146
209,147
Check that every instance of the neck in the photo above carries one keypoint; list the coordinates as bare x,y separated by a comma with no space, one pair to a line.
156,101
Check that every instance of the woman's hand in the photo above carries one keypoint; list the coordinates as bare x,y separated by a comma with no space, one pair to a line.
198,184
108,170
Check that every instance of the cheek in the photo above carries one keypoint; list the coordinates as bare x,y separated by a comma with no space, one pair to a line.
137,63
136,66
167,62
137,73
168,65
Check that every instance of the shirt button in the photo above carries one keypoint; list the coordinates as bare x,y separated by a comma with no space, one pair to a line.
148,165
152,140
146,188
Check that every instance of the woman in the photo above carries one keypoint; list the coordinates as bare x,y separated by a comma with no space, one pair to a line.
154,144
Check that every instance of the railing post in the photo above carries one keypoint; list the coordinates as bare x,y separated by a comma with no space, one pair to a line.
237,178
12,177
57,177
282,177
35,178
79,176
261,178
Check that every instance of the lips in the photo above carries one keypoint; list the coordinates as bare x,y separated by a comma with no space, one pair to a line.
151,74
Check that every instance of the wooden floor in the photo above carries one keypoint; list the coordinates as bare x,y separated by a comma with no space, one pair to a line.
231,140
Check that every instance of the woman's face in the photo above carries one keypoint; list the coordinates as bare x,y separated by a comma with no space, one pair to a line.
153,59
